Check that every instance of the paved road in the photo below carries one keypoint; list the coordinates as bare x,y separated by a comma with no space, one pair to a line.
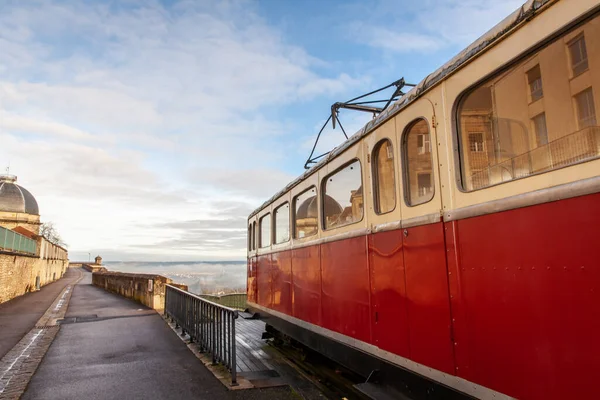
119,349
18,316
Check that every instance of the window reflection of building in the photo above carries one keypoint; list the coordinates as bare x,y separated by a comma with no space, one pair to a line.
343,196
537,116
383,177
419,165
306,214
282,223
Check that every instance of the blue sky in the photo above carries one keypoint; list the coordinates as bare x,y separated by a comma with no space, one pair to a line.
149,130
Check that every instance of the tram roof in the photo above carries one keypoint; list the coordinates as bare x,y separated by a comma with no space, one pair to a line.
502,29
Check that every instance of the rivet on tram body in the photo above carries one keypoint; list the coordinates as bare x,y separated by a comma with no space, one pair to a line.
582,267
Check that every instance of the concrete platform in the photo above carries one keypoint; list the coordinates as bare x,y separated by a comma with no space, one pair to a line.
112,348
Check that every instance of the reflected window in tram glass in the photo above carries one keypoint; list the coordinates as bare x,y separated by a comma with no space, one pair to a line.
384,192
520,138
306,213
265,230
418,163
282,223
343,196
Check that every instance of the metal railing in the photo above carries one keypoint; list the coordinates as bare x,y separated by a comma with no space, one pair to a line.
209,324
15,242
576,147
232,300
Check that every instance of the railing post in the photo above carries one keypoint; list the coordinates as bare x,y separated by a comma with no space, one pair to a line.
233,365
214,334
211,325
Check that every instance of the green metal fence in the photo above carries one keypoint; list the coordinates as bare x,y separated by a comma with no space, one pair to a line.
16,243
232,300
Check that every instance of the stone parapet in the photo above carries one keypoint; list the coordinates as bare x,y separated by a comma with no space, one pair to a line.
147,289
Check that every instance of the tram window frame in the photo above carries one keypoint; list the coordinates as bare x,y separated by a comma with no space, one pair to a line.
294,211
406,167
289,235
260,231
250,236
519,60
375,174
324,193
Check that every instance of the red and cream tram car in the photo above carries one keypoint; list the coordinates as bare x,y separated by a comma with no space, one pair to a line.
457,235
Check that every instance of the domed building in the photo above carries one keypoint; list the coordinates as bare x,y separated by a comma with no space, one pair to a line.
18,207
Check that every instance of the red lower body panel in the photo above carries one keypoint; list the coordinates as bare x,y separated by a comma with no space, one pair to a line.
306,269
429,319
345,304
388,292
263,281
281,282
526,299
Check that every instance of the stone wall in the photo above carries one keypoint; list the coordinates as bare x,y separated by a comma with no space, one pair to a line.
19,274
144,288
87,266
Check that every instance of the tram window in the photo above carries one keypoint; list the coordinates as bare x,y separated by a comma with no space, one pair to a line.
305,213
254,235
521,138
250,237
343,196
418,164
282,223
384,192
265,231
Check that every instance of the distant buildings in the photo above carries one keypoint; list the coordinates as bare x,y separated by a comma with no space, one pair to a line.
27,260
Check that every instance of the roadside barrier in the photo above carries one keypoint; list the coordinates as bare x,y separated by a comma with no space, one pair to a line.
209,324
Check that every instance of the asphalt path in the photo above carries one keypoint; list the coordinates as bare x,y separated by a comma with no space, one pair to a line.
114,348
19,315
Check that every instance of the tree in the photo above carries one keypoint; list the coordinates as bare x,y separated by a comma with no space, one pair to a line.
48,231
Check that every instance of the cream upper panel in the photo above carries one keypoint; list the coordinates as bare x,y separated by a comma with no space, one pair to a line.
277,205
308,217
385,132
252,250
349,201
426,162
260,249
514,82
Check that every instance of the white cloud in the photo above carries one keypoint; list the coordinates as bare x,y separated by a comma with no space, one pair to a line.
401,42
430,25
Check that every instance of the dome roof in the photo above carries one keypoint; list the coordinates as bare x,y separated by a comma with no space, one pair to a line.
14,198
308,209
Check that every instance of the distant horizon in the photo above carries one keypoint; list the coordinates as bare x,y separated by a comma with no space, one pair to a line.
104,261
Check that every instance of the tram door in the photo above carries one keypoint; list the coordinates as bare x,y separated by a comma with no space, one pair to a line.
423,242
389,326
